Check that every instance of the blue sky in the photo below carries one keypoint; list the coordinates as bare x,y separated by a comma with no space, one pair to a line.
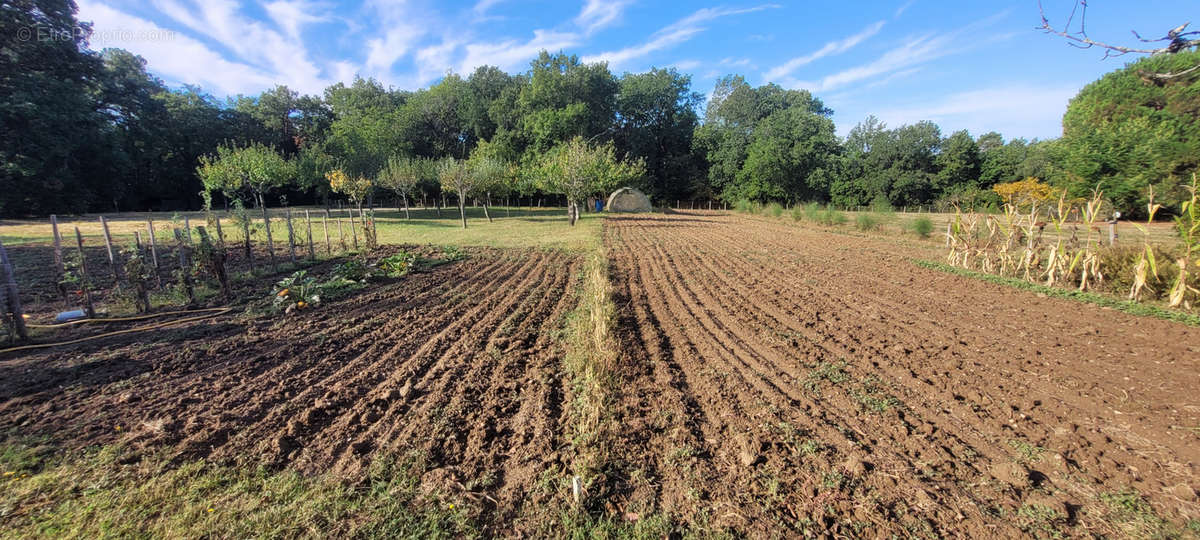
977,65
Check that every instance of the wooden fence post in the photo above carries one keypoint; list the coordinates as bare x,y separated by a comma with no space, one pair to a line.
270,241
312,254
187,230
84,279
143,294
153,252
185,274
291,237
59,271
112,259
13,295
220,233
246,239
353,230
153,248
216,264
341,235
325,223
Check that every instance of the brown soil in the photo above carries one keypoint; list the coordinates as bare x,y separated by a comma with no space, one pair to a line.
459,363
781,378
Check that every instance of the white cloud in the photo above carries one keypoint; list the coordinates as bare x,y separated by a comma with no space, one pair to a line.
513,55
686,65
482,6
251,41
674,34
403,29
293,15
833,47
599,14
175,57
913,52
1016,110
900,10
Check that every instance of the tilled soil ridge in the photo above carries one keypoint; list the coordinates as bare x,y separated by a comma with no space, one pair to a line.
780,378
460,364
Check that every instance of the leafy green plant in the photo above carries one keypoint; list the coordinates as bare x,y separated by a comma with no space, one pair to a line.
797,213
295,292
399,264
353,270
338,287
453,253
774,209
140,275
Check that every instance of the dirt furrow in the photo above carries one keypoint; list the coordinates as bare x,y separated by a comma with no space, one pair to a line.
958,415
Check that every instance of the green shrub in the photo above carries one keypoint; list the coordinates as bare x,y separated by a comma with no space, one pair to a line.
812,212
829,216
353,270
774,209
295,292
742,205
867,221
797,213
921,226
399,264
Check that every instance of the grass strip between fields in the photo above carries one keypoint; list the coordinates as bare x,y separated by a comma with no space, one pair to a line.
111,492
1127,306
590,363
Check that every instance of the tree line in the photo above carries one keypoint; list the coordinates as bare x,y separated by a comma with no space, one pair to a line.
95,131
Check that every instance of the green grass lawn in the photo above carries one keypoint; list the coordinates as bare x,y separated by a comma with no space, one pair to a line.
510,228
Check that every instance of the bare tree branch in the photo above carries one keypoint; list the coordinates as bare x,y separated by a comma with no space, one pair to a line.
1177,39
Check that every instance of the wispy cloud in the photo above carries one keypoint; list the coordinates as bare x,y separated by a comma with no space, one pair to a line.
599,14
1014,109
831,48
175,56
252,41
404,29
678,32
482,6
511,55
292,15
912,52
900,10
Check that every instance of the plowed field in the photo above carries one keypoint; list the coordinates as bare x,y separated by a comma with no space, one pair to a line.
771,380
782,379
460,364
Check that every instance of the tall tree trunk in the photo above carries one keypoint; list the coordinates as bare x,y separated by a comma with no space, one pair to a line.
406,214
462,209
487,201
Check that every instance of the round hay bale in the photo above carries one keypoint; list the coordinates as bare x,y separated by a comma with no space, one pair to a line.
628,199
